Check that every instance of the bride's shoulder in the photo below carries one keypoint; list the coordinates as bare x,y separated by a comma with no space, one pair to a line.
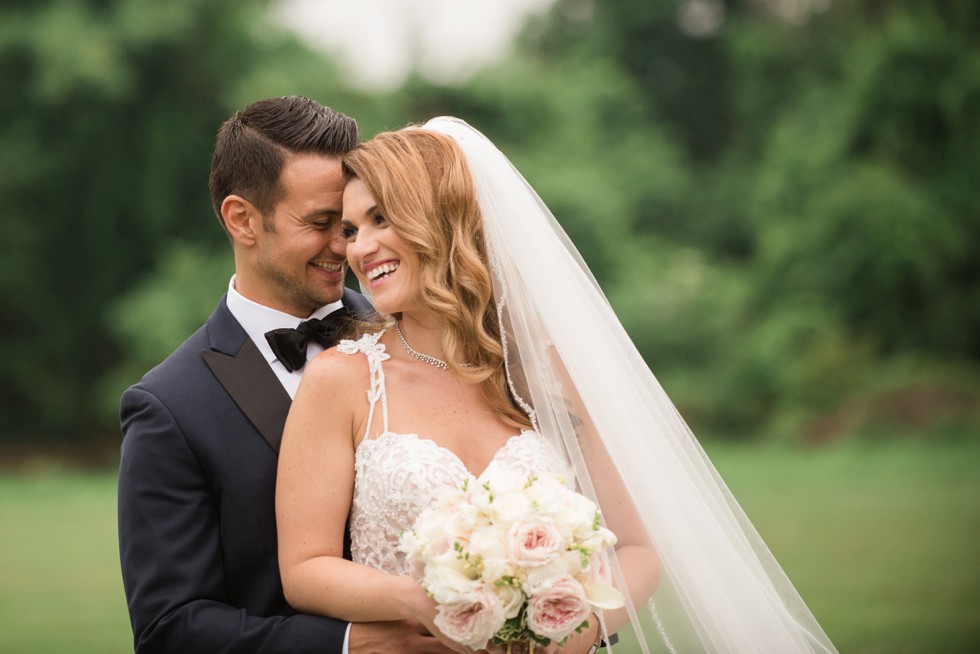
334,370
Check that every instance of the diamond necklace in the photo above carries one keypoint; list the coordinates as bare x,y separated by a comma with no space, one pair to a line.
426,358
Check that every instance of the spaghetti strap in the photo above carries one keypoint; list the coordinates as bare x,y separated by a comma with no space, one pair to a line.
369,346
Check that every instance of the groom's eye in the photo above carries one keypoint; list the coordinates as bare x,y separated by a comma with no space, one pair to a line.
323,223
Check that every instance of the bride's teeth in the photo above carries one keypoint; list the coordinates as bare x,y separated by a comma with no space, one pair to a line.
383,269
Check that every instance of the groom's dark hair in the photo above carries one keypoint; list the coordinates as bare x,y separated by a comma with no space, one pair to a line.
253,145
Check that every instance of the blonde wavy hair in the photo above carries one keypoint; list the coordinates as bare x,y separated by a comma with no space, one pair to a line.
422,185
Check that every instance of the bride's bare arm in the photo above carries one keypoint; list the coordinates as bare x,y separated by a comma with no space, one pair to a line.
636,554
313,496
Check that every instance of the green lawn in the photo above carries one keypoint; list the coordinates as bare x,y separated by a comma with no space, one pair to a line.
882,541
60,588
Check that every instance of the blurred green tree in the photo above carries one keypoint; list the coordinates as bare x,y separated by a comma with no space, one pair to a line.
107,110
779,198
822,223
164,308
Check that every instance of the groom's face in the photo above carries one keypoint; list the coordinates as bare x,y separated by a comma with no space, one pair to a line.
300,259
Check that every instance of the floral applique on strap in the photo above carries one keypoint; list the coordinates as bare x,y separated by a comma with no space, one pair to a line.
369,346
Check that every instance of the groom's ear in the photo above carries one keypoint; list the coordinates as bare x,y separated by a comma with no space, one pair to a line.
241,219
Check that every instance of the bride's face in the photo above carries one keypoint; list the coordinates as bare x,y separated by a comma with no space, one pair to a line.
385,264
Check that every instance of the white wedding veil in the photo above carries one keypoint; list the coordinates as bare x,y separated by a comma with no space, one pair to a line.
573,367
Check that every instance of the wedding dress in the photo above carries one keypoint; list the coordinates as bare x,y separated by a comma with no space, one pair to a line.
397,476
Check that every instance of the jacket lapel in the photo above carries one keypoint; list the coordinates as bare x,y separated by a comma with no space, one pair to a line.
247,377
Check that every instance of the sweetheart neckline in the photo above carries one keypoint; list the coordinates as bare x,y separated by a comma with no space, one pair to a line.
420,439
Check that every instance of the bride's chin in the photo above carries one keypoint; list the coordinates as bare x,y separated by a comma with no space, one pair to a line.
387,309
387,306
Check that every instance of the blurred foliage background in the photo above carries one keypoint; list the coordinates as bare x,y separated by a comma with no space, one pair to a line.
778,196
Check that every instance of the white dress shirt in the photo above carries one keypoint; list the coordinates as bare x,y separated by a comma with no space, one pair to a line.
257,319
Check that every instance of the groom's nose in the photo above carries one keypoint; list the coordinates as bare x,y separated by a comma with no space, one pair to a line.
336,242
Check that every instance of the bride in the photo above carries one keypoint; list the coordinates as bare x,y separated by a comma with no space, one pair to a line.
499,351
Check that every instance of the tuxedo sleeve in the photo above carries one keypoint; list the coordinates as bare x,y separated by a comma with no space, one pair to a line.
170,550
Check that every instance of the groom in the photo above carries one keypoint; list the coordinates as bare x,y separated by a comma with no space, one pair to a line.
201,431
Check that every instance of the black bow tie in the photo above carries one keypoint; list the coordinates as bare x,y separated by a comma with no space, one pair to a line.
289,345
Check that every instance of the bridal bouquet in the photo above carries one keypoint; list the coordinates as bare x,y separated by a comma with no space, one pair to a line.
512,559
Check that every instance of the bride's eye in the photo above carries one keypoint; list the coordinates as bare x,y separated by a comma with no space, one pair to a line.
379,220
348,231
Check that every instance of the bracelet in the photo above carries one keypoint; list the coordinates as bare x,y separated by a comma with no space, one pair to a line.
600,643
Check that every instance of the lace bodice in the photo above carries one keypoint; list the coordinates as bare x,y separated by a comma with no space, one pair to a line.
396,476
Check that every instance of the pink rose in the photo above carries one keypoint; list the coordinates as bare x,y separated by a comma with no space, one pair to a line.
557,611
473,620
598,571
534,542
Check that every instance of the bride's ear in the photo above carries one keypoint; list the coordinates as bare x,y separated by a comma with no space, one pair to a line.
241,219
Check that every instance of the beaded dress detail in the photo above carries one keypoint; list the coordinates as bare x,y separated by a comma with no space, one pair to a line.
396,476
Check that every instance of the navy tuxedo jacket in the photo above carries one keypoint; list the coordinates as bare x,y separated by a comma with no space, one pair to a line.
197,523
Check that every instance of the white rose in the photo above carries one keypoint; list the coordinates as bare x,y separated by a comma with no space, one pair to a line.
544,576
502,482
584,511
482,498
448,578
598,539
488,540
488,545
510,507
547,493
429,530
574,562
459,524
510,598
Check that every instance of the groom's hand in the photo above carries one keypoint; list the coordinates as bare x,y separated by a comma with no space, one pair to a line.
387,637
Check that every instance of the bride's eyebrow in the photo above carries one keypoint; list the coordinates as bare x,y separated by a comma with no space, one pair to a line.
370,211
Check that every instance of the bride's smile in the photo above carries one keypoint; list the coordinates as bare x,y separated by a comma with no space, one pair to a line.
379,272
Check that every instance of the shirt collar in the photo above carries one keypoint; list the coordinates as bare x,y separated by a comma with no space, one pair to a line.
257,319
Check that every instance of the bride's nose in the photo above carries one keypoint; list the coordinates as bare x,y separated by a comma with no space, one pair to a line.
361,246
